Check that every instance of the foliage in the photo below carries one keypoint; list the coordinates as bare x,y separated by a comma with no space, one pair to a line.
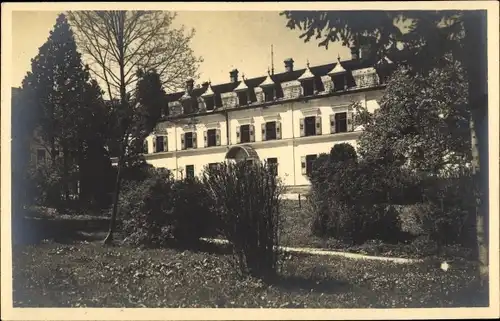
349,198
423,121
46,184
137,54
146,207
431,39
66,109
246,200
192,216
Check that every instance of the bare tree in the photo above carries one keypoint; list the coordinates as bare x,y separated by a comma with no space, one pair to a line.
117,44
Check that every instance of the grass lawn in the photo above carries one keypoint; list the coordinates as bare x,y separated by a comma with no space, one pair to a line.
88,274
74,269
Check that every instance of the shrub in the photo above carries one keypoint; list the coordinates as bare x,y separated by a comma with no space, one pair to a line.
145,208
246,198
46,184
350,198
192,216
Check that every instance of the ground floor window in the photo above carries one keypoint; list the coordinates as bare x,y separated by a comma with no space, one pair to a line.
189,171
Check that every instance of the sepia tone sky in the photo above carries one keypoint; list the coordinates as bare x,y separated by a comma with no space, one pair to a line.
226,40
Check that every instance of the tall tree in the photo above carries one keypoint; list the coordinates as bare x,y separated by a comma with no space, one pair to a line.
428,37
56,86
118,44
422,120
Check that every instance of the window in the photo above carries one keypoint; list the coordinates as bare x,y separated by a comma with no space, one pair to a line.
245,133
189,171
308,87
188,141
339,82
310,126
41,154
309,163
213,166
160,147
268,94
341,122
273,164
242,98
211,137
270,130
210,103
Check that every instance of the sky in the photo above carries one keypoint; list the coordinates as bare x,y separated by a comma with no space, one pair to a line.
225,39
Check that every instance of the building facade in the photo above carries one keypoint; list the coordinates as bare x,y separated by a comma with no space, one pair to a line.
287,119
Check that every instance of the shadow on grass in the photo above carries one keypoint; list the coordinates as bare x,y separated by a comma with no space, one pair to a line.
321,285
64,231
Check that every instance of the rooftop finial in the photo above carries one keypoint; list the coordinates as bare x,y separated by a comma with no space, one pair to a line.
338,57
307,64
243,76
268,71
272,60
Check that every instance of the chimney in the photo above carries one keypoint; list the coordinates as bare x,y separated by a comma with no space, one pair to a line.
288,64
233,75
354,53
189,85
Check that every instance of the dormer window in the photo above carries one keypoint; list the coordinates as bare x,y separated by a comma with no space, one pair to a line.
339,82
338,75
210,103
269,94
269,88
308,87
307,82
209,98
243,98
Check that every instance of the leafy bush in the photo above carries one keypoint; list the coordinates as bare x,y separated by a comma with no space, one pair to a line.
246,198
350,198
146,207
46,185
192,216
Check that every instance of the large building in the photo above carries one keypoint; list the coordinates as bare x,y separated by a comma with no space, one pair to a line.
287,118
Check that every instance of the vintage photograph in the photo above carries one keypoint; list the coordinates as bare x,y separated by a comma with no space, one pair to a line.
286,159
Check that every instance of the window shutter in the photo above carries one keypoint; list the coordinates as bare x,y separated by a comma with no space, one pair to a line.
278,130
217,137
303,165
194,140
154,144
205,138
183,141
318,125
238,136
350,123
263,126
252,133
165,143
145,146
302,127
332,123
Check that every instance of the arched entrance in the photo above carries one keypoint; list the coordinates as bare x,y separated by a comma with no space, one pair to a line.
242,153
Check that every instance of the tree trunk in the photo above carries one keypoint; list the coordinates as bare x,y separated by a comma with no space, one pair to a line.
66,179
123,104
112,223
475,64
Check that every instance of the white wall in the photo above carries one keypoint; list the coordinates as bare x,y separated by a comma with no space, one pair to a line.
289,149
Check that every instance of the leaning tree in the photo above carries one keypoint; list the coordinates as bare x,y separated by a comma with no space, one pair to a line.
117,45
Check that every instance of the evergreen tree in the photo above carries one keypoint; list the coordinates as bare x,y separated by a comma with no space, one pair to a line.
64,100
